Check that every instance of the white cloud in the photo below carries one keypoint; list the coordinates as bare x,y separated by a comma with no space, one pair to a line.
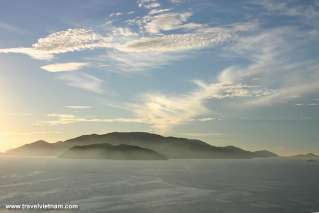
164,112
70,40
168,21
177,1
284,8
123,33
206,119
62,67
148,47
83,81
146,52
281,95
36,54
63,119
140,61
156,45
273,64
78,107
61,115
143,53
124,45
149,4
116,14
62,42
178,42
157,11
201,134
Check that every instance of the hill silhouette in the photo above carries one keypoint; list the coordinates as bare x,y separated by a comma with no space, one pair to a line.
113,152
308,156
170,147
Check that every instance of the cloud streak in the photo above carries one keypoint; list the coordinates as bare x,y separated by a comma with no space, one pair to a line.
167,21
64,119
272,65
271,75
159,35
64,67
308,11
83,81
62,42
78,107
164,112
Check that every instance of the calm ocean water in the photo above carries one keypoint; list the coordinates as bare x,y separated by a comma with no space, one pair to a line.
188,186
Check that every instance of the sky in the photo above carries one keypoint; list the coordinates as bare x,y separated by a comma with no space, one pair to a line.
243,73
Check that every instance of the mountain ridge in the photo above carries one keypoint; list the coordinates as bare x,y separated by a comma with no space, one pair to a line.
171,147
305,156
112,152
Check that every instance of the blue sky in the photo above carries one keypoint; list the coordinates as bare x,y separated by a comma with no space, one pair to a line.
244,73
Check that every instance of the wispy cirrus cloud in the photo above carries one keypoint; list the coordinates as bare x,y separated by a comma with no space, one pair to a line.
178,42
177,1
140,61
62,42
273,65
83,81
148,52
78,107
201,134
309,10
155,23
148,4
157,34
165,35
34,53
64,119
163,112
64,67
271,75
282,95
121,39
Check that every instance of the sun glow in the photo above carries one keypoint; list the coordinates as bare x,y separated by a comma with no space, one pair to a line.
3,141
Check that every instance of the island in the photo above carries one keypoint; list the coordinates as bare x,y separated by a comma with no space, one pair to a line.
137,142
112,152
308,157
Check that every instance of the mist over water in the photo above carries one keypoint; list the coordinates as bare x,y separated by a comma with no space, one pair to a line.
221,186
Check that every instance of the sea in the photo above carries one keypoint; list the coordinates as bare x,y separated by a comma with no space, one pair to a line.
275,185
